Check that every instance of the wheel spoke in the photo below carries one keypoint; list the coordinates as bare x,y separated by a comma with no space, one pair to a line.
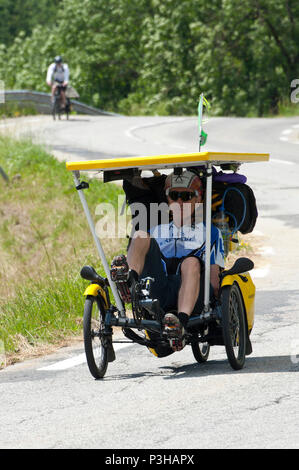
96,352
234,326
234,323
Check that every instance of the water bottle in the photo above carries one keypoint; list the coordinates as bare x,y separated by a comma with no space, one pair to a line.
220,220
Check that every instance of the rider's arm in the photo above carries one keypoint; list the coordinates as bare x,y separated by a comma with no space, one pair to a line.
50,74
66,74
214,271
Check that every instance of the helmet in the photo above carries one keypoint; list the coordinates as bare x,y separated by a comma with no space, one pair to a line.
58,59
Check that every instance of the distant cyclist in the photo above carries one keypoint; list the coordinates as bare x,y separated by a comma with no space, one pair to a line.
58,75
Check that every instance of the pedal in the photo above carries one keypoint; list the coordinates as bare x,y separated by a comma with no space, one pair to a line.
124,291
174,332
119,269
177,344
171,331
119,273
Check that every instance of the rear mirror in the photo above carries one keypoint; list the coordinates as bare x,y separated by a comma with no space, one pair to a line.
241,265
89,273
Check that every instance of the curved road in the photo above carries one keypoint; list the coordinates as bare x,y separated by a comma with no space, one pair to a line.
174,403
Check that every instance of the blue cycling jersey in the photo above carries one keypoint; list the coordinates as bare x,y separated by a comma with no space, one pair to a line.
180,242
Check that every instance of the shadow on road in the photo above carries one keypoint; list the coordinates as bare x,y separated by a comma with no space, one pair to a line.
72,119
253,365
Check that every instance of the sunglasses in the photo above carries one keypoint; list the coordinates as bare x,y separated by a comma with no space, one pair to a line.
184,195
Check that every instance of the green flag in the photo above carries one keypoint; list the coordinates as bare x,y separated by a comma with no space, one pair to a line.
203,138
202,135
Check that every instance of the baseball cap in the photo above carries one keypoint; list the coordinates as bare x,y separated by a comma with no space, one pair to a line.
187,179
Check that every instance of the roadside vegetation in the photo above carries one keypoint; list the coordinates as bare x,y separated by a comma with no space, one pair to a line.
156,57
136,57
14,110
44,242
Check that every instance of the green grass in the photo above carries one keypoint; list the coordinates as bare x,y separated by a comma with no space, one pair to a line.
12,109
44,241
44,312
288,109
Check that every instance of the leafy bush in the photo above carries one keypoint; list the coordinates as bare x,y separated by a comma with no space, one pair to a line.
141,56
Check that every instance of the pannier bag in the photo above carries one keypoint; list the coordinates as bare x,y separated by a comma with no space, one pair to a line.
239,204
236,199
146,191
71,92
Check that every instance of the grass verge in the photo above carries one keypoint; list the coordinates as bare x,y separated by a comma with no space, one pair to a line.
44,241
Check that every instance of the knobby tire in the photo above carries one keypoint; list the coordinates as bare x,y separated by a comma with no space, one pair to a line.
96,352
233,326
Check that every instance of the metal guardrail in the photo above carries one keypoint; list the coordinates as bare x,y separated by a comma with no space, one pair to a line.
42,101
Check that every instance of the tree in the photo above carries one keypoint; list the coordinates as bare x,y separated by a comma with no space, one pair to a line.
102,46
159,55
24,15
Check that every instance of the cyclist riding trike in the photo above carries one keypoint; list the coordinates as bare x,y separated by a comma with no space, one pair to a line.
226,320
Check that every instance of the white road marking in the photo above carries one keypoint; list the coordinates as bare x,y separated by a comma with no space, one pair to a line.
77,360
66,364
258,233
285,162
266,251
287,131
130,132
260,272
9,124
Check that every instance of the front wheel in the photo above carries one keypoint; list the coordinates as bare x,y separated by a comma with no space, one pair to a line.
94,342
56,107
233,326
67,108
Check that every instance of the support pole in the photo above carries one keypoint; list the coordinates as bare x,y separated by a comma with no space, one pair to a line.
99,247
208,237
200,105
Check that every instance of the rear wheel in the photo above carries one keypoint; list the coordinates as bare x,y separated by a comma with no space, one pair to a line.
201,351
233,326
94,340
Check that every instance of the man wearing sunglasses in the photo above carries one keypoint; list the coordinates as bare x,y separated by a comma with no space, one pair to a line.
173,254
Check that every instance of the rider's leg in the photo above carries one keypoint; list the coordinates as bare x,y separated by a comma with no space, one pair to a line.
190,285
144,256
53,92
63,98
125,271
138,249
188,295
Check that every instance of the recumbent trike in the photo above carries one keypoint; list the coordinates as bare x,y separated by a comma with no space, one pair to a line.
227,322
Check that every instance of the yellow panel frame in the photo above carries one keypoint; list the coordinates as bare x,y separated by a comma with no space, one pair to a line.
167,161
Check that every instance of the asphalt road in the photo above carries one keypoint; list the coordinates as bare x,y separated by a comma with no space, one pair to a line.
175,403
